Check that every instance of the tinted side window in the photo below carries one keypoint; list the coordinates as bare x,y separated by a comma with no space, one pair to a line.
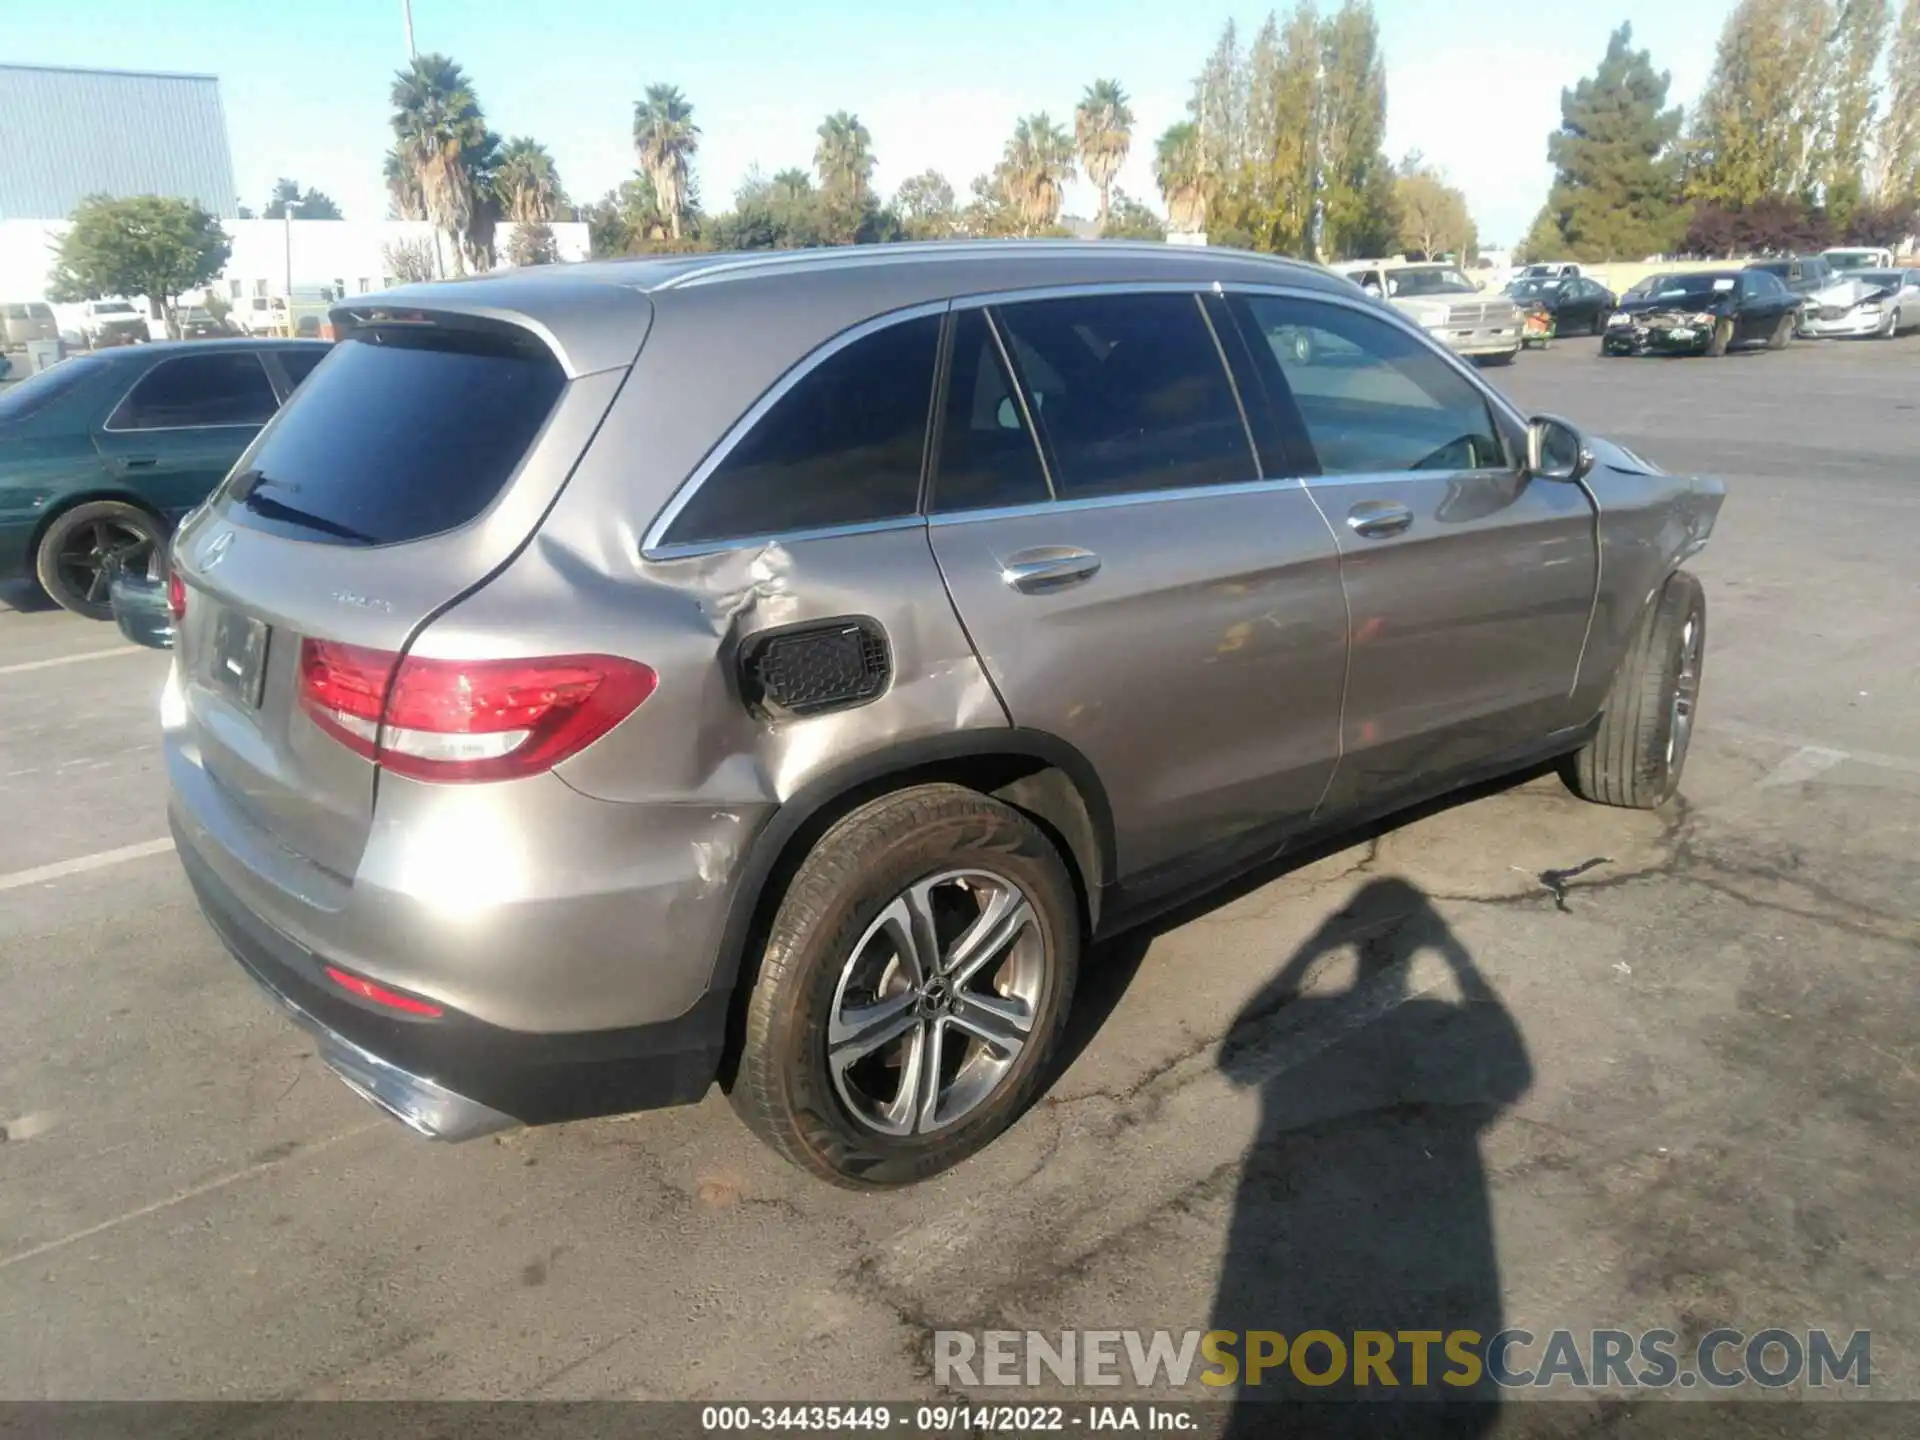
299,364
844,446
229,389
987,454
1370,397
1129,393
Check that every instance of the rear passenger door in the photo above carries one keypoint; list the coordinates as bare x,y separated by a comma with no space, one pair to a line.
179,429
1469,583
1132,580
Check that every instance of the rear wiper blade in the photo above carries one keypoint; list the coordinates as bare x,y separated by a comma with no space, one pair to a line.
276,510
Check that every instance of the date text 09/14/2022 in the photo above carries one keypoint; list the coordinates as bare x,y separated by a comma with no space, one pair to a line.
934,1419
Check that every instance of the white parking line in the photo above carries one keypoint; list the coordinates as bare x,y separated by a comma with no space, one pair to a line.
84,863
1831,754
21,667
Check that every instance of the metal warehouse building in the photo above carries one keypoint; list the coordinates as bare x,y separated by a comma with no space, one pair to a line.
70,133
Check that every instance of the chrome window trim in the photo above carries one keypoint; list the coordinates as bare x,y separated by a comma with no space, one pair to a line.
1084,288
947,518
653,544
692,549
1011,374
107,426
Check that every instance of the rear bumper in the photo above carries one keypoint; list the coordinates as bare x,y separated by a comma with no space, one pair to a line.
1489,340
457,1077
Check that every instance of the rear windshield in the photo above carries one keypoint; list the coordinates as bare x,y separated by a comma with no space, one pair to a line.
398,435
37,392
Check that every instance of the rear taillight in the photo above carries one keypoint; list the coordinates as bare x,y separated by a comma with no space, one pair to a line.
176,596
462,720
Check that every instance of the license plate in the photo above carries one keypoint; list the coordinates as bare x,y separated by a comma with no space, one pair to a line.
239,661
1680,332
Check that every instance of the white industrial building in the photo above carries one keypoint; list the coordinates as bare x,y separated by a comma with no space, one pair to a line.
70,133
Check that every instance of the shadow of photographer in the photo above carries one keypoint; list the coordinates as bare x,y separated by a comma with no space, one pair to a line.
1362,1208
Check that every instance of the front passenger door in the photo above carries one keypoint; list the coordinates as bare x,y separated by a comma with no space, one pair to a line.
1468,583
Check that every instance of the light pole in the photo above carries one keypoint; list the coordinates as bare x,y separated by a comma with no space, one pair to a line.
406,12
286,215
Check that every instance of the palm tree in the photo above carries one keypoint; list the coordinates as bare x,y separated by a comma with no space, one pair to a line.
1102,133
442,137
527,182
1038,161
1180,170
792,183
403,187
665,139
844,156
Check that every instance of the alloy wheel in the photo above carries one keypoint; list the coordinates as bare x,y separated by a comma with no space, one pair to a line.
87,556
1686,694
936,1002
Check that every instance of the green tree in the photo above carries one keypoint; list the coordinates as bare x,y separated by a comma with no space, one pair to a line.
992,209
307,204
533,244
1356,181
1128,219
1037,163
1179,169
405,201
844,156
527,183
1615,175
1102,134
1860,35
1897,155
441,136
1432,215
1274,196
926,206
1219,110
1764,125
149,245
666,140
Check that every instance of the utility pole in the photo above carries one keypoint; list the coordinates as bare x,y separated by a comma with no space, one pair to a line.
406,11
287,218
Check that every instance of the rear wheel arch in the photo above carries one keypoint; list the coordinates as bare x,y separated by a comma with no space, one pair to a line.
1038,774
73,500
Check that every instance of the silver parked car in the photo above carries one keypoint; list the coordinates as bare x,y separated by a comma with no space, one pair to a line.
1441,300
606,680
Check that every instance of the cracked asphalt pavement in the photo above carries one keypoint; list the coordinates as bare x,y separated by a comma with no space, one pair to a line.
1556,1065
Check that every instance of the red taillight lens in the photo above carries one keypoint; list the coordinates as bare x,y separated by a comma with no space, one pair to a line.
462,720
176,595
379,994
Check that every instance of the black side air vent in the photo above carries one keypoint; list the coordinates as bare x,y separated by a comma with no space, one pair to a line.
815,667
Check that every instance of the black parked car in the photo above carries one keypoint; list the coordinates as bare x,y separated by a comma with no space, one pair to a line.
1802,274
1704,313
1567,305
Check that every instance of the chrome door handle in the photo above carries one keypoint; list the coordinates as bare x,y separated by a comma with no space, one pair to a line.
1048,567
1377,519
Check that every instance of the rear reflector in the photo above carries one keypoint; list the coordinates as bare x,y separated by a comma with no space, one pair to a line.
464,720
380,995
176,595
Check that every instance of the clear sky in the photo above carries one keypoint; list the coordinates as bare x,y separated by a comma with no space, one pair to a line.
1474,84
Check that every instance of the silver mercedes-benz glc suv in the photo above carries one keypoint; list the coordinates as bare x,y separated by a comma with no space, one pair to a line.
605,680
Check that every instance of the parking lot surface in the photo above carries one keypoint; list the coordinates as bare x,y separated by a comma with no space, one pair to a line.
1685,1094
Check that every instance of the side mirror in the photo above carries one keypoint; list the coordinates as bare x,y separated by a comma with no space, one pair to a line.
1555,450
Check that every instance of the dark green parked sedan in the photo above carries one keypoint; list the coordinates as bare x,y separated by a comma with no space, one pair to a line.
102,454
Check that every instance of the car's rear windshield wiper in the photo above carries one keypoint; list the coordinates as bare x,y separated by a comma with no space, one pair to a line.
275,510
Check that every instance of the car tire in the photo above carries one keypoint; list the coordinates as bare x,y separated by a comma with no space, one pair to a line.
831,953
1892,328
71,560
1721,338
1637,753
1783,334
